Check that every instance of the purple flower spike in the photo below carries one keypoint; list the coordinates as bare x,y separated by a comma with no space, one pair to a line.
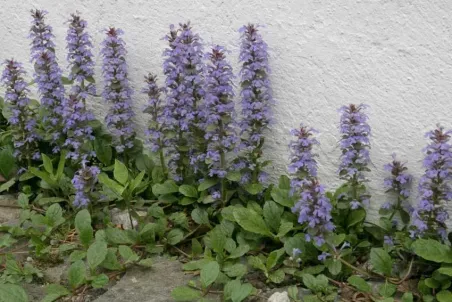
117,91
23,118
84,181
313,208
47,76
355,145
220,132
434,187
76,116
184,112
256,99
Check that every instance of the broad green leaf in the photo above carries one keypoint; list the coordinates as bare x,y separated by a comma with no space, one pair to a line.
127,253
44,176
100,281
146,262
257,262
445,271
61,164
235,270
381,261
334,266
77,255
356,216
110,183
5,186
254,189
200,216
47,200
273,258
239,251
185,293
96,254
111,260
22,200
136,182
387,289
117,236
432,250
282,197
234,176
77,274
48,166
188,191
236,291
55,291
7,163
175,236
408,297
209,273
83,227
167,187
103,150
444,296
120,172
284,228
12,293
360,284
272,215
54,214
251,222
207,183
277,276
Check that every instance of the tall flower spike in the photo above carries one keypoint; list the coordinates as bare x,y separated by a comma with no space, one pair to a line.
23,118
47,76
398,182
184,112
355,145
84,181
256,101
220,131
434,187
154,108
76,116
313,207
117,91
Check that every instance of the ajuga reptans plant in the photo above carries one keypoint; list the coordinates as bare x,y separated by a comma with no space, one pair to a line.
23,118
184,111
313,207
256,99
117,91
220,131
429,218
47,77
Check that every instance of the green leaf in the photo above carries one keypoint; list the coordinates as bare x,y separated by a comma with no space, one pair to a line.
55,291
120,172
360,284
48,166
117,236
47,200
77,255
188,191
254,189
273,258
316,284
444,296
251,222
167,187
111,260
234,176
445,271
103,151
387,289
239,251
200,216
54,214
257,262
236,291
284,228
7,163
100,281
355,217
44,176
207,183
277,276
5,186
61,164
175,236
110,183
22,200
185,293
12,292
408,297
235,270
136,182
96,254
83,227
146,262
334,266
272,215
432,250
127,254
77,274
209,273
381,261
282,197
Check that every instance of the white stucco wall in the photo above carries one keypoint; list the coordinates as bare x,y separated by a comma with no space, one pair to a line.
393,55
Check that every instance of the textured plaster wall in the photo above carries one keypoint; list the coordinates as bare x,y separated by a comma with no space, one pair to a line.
392,55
